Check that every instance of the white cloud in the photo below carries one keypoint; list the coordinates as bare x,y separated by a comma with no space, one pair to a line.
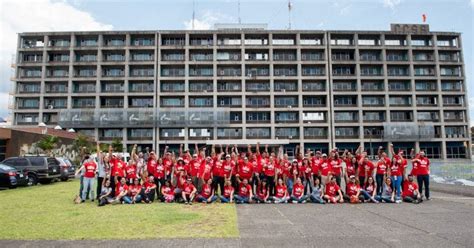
35,16
392,3
207,21
472,3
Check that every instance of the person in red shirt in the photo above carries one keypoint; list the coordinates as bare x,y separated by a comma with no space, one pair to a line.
135,191
394,171
333,193
353,191
160,173
167,192
217,175
121,192
410,191
194,167
227,194
380,173
366,168
269,171
423,173
205,172
298,196
245,192
189,191
131,171
90,169
336,166
207,193
262,194
227,167
149,188
245,170
325,169
281,192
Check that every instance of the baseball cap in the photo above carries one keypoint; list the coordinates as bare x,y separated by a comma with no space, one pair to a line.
324,155
227,156
352,177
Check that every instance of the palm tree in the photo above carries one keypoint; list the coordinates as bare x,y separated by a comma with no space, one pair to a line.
48,143
117,145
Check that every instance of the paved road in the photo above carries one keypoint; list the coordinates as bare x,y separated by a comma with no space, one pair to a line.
446,221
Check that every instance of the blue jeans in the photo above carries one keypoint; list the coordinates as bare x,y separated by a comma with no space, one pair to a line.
289,185
241,199
127,199
138,199
88,184
397,184
203,199
316,199
224,199
300,200
280,200
386,199
379,180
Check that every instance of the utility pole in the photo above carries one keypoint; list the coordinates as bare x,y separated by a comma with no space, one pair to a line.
194,13
238,11
290,5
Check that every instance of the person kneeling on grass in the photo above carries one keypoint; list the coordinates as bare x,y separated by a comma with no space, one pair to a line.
262,194
149,189
105,196
167,192
245,192
333,192
121,192
228,195
316,195
369,190
207,193
281,195
135,191
189,191
353,191
298,195
410,191
388,192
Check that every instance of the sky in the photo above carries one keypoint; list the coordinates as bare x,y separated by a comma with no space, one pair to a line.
81,15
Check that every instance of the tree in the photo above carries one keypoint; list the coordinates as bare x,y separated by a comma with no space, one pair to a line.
83,141
48,143
117,145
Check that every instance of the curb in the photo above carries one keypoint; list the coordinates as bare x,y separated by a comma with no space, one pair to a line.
452,189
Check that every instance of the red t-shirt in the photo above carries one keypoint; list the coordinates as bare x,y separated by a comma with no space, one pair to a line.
269,169
325,168
332,189
227,168
381,167
366,166
336,166
167,190
316,164
280,191
395,169
286,168
246,170
90,168
134,190
217,168
350,167
151,166
131,171
160,171
194,167
352,189
205,171
120,188
262,192
228,190
298,190
188,188
118,167
168,164
244,190
409,189
423,166
147,185
206,191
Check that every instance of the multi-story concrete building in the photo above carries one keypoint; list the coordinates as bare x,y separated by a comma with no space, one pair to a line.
316,89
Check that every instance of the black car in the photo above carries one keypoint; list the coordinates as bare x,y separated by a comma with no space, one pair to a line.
11,178
41,169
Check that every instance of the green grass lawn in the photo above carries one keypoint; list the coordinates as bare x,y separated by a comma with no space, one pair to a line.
47,212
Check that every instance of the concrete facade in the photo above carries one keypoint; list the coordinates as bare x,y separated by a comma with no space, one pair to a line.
316,89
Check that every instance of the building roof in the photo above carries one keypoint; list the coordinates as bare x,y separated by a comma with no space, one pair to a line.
50,131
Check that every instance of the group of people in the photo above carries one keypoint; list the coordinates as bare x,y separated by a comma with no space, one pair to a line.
255,176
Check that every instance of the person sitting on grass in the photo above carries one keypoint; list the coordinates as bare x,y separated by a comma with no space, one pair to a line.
167,192
228,194
262,194
149,189
369,190
298,195
245,192
207,193
388,192
353,191
135,191
316,195
333,193
281,192
189,191
410,191
105,196
121,192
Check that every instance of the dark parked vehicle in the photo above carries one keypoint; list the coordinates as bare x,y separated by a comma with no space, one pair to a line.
11,178
41,169
67,168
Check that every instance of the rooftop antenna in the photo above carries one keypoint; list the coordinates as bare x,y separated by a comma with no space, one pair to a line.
194,13
238,6
290,5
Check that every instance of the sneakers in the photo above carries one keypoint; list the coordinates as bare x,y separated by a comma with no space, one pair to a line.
294,202
398,201
303,201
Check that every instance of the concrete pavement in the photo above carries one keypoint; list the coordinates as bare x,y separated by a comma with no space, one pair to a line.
445,221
